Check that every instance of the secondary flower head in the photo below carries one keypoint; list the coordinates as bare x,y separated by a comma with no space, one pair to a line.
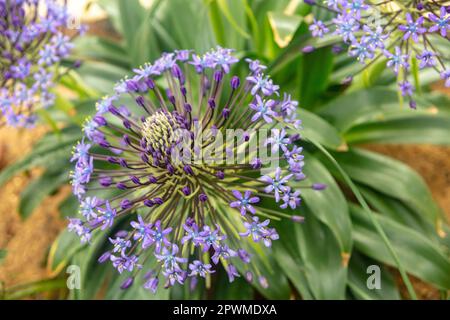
403,34
156,152
32,45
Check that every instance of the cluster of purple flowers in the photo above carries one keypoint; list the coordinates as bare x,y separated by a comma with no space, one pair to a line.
401,33
32,44
190,216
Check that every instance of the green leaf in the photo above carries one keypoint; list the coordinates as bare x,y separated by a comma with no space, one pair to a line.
63,249
230,15
326,272
131,16
101,49
38,189
391,178
420,256
286,252
358,276
283,27
363,106
329,205
239,289
315,73
3,253
412,128
48,151
317,129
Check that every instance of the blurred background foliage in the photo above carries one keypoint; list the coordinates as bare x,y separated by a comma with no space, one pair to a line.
375,211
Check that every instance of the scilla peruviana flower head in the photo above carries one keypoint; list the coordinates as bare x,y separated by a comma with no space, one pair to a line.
32,45
159,152
408,35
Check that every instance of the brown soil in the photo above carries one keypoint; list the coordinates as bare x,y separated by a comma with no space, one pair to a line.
431,162
26,241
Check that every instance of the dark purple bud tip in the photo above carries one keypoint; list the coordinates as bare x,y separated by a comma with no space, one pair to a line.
220,175
135,180
218,75
140,101
121,234
235,82
186,190
310,2
149,203
150,83
121,186
187,107
127,283
188,170
126,124
319,186
104,257
125,204
263,282
298,219
158,201
447,8
226,113
420,6
101,121
348,80
203,197
77,64
152,179
308,49
412,104
211,103
337,49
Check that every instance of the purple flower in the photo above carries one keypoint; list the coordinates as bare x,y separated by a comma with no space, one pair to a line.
413,28
159,236
88,206
134,157
318,28
445,75
143,230
263,84
291,199
263,109
232,272
255,228
222,252
426,59
152,284
346,26
362,51
169,258
276,184
279,139
120,244
200,269
397,60
442,23
406,88
108,214
245,202
255,66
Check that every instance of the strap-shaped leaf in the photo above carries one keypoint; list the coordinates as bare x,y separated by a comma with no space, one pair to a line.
420,256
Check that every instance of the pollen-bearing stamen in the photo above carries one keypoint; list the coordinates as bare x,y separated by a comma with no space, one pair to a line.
166,154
